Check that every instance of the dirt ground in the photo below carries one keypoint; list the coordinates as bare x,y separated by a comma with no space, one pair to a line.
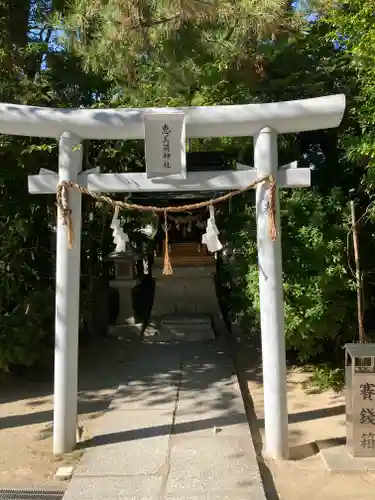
313,417
26,406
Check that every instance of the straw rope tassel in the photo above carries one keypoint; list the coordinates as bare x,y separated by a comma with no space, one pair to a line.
70,233
65,212
167,269
272,229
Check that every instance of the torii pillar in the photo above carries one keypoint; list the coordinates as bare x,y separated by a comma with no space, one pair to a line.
68,272
271,302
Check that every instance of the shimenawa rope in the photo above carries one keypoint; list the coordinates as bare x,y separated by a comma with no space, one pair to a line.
62,200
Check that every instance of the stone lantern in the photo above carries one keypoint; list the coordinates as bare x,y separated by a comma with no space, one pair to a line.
124,281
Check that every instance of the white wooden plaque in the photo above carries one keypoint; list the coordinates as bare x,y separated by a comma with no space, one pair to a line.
165,144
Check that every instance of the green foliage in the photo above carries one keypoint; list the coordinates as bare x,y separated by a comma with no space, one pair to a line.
352,28
317,289
141,42
26,297
27,238
324,377
26,338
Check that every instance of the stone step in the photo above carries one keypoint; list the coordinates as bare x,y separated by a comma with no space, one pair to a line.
180,328
186,320
180,333
125,332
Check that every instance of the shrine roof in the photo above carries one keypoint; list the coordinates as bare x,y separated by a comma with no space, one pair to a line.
361,350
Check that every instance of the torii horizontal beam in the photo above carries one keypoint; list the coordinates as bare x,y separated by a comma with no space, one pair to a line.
221,180
202,121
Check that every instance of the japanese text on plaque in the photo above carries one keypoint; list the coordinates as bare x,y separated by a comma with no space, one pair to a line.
166,145
367,415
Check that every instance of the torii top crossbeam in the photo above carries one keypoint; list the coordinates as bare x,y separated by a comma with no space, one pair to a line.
202,121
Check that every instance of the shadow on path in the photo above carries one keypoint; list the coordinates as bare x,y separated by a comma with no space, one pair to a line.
164,430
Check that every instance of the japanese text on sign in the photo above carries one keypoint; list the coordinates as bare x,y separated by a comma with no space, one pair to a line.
368,440
367,415
166,145
367,390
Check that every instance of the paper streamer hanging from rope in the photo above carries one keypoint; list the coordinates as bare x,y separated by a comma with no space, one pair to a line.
62,201
120,238
210,237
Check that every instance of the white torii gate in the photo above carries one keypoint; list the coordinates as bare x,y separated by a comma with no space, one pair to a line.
264,122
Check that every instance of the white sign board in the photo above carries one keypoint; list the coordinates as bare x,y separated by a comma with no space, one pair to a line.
165,144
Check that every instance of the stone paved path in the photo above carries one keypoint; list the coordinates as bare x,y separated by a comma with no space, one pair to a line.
176,429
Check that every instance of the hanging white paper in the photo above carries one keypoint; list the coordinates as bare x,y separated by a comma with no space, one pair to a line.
210,237
120,239
165,144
